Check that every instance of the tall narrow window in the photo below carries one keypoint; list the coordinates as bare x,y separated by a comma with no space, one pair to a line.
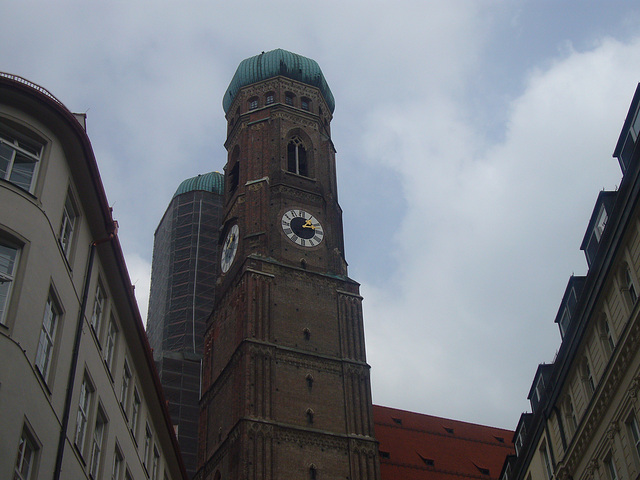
110,344
19,158
46,343
297,157
631,288
587,377
155,465
546,461
570,415
86,392
96,445
607,335
98,309
611,468
124,387
147,447
8,261
25,460
118,463
68,224
135,412
634,431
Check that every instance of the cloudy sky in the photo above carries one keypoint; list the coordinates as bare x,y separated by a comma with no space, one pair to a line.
473,138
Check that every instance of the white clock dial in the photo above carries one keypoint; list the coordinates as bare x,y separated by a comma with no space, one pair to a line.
302,228
229,249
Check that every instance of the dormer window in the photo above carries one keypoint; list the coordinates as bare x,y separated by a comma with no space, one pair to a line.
601,222
564,322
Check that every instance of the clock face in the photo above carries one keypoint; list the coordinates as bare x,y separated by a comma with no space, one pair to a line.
229,248
302,228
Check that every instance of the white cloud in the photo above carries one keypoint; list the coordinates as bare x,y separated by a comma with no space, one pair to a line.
491,235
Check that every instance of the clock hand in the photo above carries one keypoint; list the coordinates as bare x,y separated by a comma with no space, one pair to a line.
307,224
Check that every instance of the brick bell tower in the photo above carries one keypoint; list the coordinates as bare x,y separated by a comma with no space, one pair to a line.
286,387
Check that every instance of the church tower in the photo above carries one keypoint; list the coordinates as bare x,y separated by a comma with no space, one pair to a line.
286,387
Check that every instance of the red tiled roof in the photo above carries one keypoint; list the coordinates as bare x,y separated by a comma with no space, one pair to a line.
414,446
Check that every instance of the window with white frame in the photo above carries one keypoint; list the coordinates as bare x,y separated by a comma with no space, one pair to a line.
19,157
634,432
155,465
118,464
147,446
96,444
26,457
546,462
570,415
610,467
46,343
110,344
601,222
82,418
124,387
68,224
135,411
8,261
587,377
607,334
98,309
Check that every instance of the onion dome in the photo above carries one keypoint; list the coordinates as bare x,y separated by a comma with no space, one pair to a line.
272,64
209,182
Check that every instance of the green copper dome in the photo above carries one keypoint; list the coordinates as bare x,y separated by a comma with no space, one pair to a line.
209,182
274,63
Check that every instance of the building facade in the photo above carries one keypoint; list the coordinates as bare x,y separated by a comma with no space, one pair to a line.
585,414
79,395
286,389
184,271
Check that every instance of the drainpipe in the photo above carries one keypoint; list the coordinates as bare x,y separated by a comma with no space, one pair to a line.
74,358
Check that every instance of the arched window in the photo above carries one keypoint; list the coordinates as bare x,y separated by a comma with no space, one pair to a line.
234,173
269,98
288,98
309,416
305,104
297,157
313,472
253,103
